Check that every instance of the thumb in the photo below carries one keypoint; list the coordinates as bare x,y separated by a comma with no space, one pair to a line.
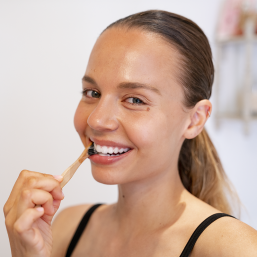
49,218
56,204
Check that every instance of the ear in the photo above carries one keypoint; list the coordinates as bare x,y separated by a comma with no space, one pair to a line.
197,118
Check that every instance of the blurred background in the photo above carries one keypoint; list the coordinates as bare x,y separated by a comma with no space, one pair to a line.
44,48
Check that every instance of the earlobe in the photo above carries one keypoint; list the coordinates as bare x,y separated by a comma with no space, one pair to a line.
198,117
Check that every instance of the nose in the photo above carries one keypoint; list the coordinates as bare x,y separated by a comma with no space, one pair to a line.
104,116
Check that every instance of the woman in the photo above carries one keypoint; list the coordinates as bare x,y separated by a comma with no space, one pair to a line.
145,97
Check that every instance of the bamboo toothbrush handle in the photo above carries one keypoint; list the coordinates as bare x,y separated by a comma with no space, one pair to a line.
70,171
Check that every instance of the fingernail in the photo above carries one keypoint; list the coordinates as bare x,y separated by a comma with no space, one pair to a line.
62,194
40,209
58,177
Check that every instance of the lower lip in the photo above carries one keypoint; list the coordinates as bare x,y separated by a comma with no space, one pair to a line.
105,160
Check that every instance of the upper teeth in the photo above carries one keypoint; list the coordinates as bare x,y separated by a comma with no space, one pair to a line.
109,149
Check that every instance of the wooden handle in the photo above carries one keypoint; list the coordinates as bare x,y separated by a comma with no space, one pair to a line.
69,172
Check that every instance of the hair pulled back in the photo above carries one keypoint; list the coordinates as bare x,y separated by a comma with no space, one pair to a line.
199,165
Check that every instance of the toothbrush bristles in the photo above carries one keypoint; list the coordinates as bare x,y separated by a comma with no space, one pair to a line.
91,150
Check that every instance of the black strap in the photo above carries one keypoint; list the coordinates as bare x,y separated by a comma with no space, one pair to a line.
191,242
187,250
80,229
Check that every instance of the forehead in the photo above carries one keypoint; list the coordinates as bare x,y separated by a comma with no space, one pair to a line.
134,55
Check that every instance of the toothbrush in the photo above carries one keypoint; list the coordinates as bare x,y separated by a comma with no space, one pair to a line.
70,171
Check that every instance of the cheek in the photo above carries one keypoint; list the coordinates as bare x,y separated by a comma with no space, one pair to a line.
157,132
146,132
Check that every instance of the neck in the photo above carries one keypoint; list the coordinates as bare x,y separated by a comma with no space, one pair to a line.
151,204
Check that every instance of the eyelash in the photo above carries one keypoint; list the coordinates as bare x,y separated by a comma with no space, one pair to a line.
142,102
84,92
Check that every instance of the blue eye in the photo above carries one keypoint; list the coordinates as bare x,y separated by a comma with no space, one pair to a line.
135,100
91,93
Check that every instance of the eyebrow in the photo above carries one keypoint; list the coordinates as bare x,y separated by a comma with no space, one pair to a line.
89,80
132,85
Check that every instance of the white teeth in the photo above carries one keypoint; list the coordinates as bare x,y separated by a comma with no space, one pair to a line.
98,148
102,154
110,150
104,150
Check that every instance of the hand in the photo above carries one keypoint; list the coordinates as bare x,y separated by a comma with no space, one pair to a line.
29,227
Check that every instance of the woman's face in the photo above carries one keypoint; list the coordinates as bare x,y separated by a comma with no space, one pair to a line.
132,100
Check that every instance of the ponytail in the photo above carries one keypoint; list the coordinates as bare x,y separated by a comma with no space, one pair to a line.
202,173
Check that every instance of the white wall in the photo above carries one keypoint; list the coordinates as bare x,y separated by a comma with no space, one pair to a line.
44,47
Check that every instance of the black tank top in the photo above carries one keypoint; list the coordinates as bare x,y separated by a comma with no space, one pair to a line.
185,253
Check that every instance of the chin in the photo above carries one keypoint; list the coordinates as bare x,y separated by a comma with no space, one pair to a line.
106,176
113,176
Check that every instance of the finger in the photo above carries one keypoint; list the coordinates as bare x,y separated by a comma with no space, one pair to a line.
56,205
49,218
47,183
23,226
31,197
24,174
57,193
29,179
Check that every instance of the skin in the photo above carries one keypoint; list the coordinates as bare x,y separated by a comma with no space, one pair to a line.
154,214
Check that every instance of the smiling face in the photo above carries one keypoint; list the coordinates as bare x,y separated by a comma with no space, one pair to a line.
132,100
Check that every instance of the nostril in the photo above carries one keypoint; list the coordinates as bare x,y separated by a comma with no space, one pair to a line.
103,124
103,117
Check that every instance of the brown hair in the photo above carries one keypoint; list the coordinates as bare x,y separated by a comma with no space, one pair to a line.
199,165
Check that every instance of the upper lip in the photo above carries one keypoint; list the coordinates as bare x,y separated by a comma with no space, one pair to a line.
108,143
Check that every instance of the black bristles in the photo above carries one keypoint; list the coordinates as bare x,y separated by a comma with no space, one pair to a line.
91,150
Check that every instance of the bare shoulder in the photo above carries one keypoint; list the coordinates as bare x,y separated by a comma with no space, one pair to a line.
64,227
227,237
